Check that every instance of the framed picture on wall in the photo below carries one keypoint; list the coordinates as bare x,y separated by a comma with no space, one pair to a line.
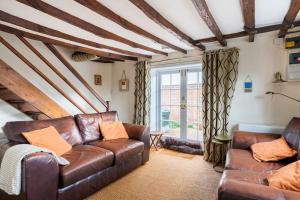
124,85
124,82
98,79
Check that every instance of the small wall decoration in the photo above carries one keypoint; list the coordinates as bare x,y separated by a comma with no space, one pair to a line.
248,85
292,43
124,82
278,78
293,71
98,79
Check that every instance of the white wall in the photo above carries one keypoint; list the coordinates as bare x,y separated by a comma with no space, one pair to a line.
86,69
260,60
123,101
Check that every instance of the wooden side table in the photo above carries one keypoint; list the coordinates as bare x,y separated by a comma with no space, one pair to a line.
223,141
155,139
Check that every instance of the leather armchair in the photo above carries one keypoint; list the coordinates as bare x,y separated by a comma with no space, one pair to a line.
244,178
231,189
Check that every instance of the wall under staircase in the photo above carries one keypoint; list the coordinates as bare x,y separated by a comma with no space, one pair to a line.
24,96
11,102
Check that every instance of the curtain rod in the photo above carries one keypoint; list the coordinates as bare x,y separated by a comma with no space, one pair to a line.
198,56
211,51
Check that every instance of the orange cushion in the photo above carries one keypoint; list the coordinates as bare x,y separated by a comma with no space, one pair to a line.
114,130
48,138
287,178
272,151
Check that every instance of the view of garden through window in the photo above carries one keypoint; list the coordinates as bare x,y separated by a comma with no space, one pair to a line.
172,104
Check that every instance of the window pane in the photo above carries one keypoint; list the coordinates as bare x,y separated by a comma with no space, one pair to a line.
175,79
175,97
165,79
165,97
192,77
200,77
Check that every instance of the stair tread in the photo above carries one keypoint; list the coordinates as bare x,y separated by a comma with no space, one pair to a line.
16,101
33,112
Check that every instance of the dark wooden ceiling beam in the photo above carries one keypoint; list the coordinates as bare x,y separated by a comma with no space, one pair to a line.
110,59
6,17
289,18
207,17
159,19
248,10
109,14
103,61
75,21
259,30
74,47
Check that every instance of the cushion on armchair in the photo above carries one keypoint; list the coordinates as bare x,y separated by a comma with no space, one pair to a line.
272,151
287,178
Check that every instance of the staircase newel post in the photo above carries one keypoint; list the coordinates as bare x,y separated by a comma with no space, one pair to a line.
107,106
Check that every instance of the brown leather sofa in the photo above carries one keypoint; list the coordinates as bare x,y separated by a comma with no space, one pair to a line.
244,178
94,163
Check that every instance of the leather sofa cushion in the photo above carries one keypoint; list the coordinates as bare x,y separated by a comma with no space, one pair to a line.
244,139
88,124
65,126
292,134
246,176
85,160
110,116
123,149
239,159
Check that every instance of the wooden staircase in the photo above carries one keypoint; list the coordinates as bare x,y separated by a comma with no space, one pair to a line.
21,94
20,104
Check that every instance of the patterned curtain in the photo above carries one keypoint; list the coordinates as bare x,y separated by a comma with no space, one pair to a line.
220,70
142,93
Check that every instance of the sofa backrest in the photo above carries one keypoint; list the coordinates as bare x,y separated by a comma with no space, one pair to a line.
66,127
292,134
88,124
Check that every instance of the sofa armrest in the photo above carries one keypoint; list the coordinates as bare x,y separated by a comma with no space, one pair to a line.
141,133
244,140
235,190
40,175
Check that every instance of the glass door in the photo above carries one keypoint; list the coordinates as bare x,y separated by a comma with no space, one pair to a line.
194,105
179,103
169,102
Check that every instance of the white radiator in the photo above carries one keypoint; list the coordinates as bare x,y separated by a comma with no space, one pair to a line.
261,128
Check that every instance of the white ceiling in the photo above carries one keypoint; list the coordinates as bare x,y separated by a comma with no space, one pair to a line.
181,13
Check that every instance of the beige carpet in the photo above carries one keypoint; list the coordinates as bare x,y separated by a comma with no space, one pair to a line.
167,176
